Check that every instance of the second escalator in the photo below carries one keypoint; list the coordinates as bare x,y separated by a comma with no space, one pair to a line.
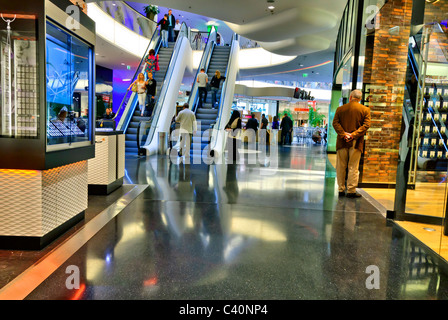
206,115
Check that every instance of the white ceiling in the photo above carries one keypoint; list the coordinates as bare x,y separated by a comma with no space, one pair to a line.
307,29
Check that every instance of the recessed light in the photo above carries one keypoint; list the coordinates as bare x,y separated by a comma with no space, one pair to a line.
271,7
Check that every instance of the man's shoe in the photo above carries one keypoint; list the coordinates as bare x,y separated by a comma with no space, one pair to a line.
342,193
353,195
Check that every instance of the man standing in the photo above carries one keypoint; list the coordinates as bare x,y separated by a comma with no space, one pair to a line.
177,28
202,81
252,124
351,122
151,93
264,126
286,127
171,24
188,127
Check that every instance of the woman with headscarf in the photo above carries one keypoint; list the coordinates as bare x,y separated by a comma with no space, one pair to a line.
233,139
151,63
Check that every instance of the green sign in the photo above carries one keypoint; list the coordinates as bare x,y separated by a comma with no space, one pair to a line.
305,75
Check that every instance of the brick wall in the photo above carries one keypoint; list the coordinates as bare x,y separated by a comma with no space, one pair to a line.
384,82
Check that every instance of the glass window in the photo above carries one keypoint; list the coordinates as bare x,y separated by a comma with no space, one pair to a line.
69,81
19,108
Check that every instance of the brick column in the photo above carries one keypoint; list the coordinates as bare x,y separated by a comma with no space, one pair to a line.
384,82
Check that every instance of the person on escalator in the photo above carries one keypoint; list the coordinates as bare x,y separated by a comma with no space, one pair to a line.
214,86
163,23
151,88
151,63
202,80
141,91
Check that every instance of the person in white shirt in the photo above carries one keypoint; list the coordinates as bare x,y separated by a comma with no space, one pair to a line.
188,127
177,27
202,81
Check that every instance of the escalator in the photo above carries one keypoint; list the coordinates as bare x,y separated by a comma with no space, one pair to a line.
208,114
131,144
165,106
214,58
131,121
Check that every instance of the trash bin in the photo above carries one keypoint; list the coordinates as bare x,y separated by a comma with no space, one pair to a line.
163,143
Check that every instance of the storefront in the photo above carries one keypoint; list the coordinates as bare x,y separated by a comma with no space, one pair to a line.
396,52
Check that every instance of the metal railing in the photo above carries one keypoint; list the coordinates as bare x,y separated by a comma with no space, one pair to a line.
183,33
154,43
205,62
129,17
224,88
142,130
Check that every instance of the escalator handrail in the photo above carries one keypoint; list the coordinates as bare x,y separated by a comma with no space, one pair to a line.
205,62
224,87
166,81
137,71
139,135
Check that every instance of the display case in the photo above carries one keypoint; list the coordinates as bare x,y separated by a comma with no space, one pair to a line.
47,84
47,129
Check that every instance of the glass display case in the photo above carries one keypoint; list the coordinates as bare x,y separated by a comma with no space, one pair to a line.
47,84
69,82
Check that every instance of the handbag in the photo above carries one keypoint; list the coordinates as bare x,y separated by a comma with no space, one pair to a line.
134,87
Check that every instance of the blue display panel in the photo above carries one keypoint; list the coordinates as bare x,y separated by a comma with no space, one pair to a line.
69,81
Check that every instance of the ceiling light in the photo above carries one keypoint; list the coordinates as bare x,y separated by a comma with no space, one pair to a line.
271,7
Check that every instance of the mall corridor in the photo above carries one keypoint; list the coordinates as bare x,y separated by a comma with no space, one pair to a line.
237,232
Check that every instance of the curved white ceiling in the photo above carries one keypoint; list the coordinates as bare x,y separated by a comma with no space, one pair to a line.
296,27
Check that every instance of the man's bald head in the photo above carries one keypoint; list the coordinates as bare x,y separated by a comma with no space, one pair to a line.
356,95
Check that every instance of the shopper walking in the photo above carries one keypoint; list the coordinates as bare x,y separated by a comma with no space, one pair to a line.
198,40
140,89
351,122
252,124
188,127
264,134
286,127
233,128
202,80
214,86
163,23
275,123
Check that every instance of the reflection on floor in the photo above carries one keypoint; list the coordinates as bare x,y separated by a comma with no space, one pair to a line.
416,200
246,232
431,235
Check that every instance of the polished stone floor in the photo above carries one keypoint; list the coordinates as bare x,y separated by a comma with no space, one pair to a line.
247,231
